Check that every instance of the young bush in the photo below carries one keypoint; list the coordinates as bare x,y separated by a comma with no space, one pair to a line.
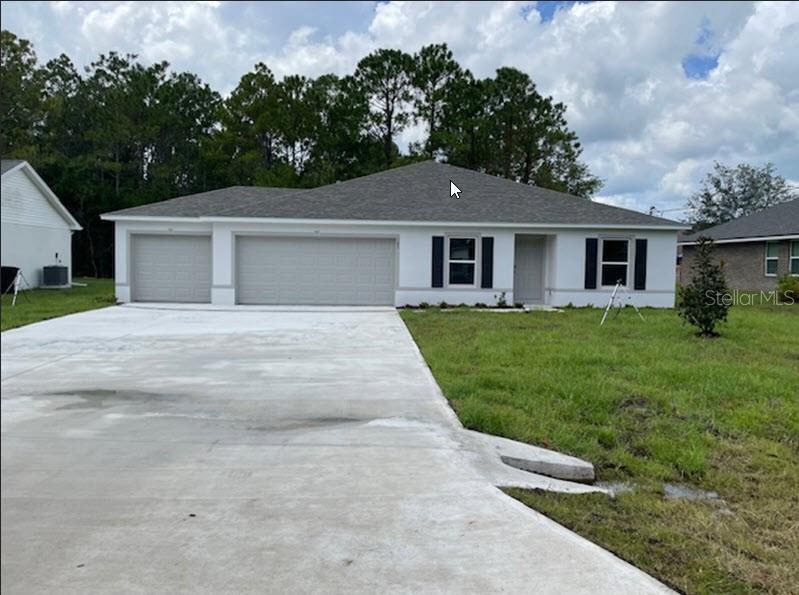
704,300
788,290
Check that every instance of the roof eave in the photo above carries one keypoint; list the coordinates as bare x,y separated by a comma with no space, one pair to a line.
379,222
744,239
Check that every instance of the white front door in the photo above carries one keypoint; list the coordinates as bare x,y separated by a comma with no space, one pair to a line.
528,273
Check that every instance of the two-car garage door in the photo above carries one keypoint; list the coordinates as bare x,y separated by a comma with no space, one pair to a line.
268,270
312,270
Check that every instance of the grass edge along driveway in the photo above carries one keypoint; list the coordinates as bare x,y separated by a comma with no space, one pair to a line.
649,404
42,304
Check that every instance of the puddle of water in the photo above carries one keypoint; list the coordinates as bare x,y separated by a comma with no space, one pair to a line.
616,487
686,492
675,491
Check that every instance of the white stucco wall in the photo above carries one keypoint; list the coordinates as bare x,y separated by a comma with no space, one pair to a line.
32,231
567,268
564,259
122,247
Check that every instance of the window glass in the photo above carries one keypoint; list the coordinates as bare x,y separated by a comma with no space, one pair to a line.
462,260
772,249
613,273
771,266
795,266
614,250
461,249
461,273
615,256
795,249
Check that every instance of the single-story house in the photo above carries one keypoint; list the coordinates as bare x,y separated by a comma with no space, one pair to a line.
397,237
36,228
756,250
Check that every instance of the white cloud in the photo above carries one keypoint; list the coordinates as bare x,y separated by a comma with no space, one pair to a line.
189,35
61,7
648,130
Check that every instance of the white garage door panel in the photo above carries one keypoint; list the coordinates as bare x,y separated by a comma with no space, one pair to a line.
328,271
171,268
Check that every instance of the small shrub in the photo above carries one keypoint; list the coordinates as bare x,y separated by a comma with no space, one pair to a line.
443,305
518,305
502,300
480,305
462,305
423,305
703,302
788,290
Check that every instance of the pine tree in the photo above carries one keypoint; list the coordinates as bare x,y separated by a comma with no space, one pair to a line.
704,301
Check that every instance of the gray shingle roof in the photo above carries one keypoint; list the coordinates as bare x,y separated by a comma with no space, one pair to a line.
213,203
779,220
8,164
418,192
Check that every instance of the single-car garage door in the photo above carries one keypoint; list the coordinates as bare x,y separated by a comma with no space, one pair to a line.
171,268
325,271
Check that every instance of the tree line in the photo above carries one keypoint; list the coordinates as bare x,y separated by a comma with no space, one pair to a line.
120,133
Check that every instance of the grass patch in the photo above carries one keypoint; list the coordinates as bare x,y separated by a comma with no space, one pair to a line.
51,303
647,403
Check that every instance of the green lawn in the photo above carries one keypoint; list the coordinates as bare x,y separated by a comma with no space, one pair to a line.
648,403
50,303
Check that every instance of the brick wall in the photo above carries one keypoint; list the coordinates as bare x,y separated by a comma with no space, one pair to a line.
744,264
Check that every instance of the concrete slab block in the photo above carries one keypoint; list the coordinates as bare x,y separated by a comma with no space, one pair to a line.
536,459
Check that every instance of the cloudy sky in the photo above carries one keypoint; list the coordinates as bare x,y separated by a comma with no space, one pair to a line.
656,91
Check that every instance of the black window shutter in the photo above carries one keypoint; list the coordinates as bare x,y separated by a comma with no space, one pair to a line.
591,247
640,264
438,261
487,263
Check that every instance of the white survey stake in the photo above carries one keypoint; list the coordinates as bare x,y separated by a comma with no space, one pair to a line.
454,190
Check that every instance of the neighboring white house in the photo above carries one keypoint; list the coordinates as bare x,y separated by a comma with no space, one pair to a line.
36,227
392,238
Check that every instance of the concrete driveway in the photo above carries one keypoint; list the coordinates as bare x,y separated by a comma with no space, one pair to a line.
157,450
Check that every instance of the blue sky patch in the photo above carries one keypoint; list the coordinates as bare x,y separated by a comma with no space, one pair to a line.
548,8
699,66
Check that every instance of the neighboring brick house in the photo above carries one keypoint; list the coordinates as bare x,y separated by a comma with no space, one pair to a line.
755,250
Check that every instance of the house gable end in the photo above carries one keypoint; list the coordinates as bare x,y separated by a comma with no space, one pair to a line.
27,200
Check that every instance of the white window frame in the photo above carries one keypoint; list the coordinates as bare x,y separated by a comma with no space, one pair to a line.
603,262
449,260
792,258
774,258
